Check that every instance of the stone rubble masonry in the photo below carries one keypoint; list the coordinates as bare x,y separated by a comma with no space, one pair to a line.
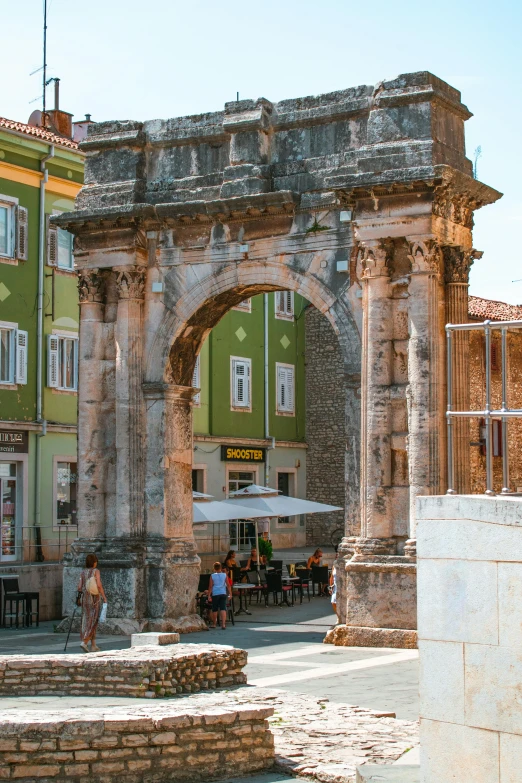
144,672
325,428
163,743
470,638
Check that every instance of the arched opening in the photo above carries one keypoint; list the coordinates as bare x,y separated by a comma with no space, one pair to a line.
315,446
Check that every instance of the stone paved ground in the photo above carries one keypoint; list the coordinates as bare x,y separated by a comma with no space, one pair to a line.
291,668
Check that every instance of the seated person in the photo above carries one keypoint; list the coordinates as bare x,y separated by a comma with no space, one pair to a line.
230,560
252,560
315,559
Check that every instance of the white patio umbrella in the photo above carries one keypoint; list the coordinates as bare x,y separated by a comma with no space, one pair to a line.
207,510
268,501
272,504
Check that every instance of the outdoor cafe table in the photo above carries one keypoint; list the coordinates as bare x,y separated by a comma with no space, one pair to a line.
291,580
242,588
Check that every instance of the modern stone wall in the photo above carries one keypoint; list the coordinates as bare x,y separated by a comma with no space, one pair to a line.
161,744
325,427
470,638
145,672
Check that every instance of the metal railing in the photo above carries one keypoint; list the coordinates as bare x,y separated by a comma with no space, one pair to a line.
504,413
41,544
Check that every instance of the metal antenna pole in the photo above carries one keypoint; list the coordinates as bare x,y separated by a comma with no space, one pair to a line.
44,121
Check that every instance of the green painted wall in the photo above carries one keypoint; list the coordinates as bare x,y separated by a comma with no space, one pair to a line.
241,334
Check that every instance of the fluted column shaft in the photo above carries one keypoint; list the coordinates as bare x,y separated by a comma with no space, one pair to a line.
376,378
91,395
129,404
457,266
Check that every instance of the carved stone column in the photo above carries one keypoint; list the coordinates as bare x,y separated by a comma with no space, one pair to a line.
425,395
130,283
457,263
377,371
173,570
91,394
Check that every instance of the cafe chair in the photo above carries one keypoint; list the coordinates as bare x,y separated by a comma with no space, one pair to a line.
259,584
277,565
274,585
320,577
303,574
14,597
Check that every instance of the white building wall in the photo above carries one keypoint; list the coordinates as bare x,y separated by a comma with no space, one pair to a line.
470,638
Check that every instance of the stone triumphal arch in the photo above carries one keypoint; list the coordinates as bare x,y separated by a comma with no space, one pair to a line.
361,201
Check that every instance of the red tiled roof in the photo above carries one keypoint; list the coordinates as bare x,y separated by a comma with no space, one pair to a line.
39,133
488,309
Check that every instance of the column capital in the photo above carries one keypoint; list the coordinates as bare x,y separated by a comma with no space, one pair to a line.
130,282
425,256
91,286
458,262
373,259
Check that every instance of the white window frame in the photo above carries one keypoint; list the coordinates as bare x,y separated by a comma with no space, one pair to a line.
284,305
294,518
203,467
59,231
286,410
18,355
234,404
56,459
245,306
11,204
55,384
196,382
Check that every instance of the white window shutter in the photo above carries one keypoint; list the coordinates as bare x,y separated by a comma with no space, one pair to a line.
52,245
289,297
22,225
279,302
241,383
52,361
196,380
290,389
280,387
21,356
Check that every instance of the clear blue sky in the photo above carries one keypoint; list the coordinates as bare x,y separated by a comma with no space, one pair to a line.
165,58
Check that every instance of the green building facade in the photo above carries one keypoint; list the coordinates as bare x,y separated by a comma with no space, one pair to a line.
249,417
38,328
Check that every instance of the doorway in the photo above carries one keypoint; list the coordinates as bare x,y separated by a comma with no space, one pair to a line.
8,511
242,531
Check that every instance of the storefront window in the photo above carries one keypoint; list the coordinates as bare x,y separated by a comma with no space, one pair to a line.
66,483
8,511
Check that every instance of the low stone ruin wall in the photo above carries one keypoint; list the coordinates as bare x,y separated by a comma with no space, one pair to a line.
148,672
160,743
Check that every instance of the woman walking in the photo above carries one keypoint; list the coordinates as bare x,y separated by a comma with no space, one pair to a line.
219,588
93,594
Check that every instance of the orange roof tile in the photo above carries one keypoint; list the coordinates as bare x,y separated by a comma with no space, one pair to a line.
39,133
488,309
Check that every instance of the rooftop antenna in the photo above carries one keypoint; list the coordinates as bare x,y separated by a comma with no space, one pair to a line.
237,97
44,118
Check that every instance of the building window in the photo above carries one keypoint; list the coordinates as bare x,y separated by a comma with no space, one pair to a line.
13,229
13,354
198,480
62,362
6,230
66,481
285,374
240,373
242,531
8,511
284,304
65,250
245,306
286,486
196,381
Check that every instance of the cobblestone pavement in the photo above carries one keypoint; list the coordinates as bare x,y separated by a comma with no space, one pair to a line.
323,741
314,738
